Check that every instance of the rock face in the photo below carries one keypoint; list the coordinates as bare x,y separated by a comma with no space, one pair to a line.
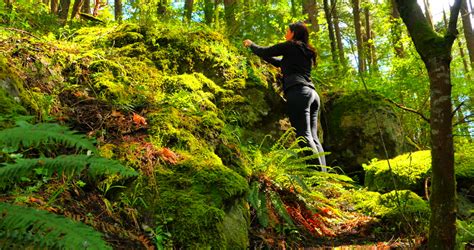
351,132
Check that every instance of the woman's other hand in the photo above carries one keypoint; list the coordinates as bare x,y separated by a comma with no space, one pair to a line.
247,42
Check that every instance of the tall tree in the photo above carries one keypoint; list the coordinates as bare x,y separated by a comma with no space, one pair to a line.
332,39
369,40
468,32
54,6
358,33
86,6
118,10
310,9
188,9
208,11
230,8
337,30
63,10
75,8
395,31
435,51
428,15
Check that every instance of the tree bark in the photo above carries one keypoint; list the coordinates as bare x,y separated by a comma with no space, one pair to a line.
293,8
468,32
310,9
395,31
63,10
358,31
230,7
118,10
188,9
208,11
95,12
75,8
340,47
428,15
332,39
86,6
54,6
369,35
435,51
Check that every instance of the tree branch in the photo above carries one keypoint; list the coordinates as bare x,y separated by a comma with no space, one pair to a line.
465,120
452,32
457,108
409,110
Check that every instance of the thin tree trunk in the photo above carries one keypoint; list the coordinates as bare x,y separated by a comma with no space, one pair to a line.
118,10
95,12
395,31
337,30
230,7
293,8
369,41
358,31
461,48
310,9
435,51
63,10
188,9
75,8
54,7
428,15
86,6
208,11
468,32
332,39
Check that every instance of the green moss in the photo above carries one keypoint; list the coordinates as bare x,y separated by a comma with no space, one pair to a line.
411,169
200,197
8,106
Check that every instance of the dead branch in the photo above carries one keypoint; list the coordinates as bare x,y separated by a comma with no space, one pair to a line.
409,110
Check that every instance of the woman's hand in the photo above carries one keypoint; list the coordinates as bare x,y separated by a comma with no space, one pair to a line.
247,43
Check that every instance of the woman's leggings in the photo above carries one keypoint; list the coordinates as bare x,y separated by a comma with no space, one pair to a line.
303,108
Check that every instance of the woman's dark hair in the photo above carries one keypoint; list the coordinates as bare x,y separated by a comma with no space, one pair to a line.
301,35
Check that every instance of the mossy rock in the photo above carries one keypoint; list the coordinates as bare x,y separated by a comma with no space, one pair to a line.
203,202
410,170
351,132
397,211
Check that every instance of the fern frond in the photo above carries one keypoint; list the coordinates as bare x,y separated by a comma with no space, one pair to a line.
30,227
280,207
68,164
28,135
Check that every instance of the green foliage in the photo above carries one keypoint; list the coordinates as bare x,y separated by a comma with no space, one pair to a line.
411,169
465,234
33,135
70,165
28,227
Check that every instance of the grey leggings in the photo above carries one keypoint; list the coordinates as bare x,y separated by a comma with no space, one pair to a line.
303,107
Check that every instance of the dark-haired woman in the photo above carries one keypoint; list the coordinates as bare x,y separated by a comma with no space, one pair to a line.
298,57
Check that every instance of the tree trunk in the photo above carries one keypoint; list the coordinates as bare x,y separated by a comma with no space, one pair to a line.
337,30
75,8
327,12
188,9
395,31
208,11
95,12
293,8
369,42
118,10
63,10
435,51
86,6
310,9
461,48
468,32
54,7
230,7
428,15
358,31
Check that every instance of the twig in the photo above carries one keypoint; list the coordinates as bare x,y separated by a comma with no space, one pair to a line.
409,110
457,108
23,32
464,120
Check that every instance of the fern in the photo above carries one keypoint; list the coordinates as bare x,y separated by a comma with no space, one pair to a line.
68,164
28,135
280,207
258,201
41,229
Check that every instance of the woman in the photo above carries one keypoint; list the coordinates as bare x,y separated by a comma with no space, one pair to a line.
302,100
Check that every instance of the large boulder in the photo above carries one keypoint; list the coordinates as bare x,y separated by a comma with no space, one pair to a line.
351,132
